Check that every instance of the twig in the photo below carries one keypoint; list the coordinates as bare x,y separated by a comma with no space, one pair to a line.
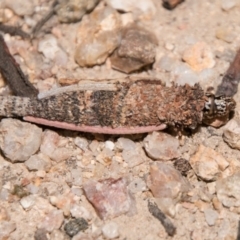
157,213
170,4
13,74
39,25
13,31
231,79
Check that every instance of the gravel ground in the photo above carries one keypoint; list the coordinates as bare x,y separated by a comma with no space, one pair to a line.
59,184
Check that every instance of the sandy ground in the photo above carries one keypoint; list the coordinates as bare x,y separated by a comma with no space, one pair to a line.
43,171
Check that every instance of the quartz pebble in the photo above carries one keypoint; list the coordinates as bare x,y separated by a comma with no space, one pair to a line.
167,185
162,179
63,202
225,34
110,230
199,56
125,144
137,49
81,142
38,162
145,6
133,157
97,37
80,212
228,190
110,197
161,146
231,134
56,234
19,140
69,11
211,216
50,49
52,147
52,221
228,4
27,202
208,164
137,185
109,145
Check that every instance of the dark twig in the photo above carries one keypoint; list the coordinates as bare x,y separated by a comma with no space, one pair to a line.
13,31
13,74
231,79
170,4
39,25
238,233
157,213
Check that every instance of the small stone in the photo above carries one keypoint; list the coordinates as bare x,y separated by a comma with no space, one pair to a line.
57,235
105,156
69,11
110,197
199,56
52,221
231,134
20,140
137,185
38,162
27,202
208,164
166,181
145,6
109,145
6,228
80,212
110,230
133,157
48,46
21,8
40,234
63,202
137,49
211,216
228,4
228,190
4,216
161,146
51,146
225,34
74,226
125,144
98,37
81,142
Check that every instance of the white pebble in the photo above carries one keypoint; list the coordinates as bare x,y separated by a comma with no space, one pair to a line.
81,142
228,4
27,202
110,230
125,143
109,145
211,216
80,212
48,46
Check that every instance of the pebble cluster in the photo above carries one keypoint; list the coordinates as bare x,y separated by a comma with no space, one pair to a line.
57,184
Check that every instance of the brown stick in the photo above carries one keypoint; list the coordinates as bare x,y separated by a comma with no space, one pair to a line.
170,4
13,74
13,31
231,79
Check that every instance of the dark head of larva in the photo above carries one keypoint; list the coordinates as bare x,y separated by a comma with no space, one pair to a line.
218,106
